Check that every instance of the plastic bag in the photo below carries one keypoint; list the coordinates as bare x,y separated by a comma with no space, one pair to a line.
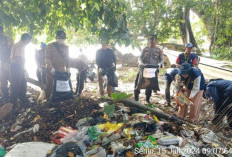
147,79
65,150
112,78
62,88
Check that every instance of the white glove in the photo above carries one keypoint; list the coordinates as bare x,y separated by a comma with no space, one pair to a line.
52,70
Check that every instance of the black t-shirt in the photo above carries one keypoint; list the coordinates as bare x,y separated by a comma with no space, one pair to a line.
105,58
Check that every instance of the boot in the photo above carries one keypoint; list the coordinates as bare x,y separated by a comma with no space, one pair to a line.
136,97
148,99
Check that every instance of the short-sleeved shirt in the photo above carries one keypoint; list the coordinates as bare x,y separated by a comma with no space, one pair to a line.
58,62
192,59
151,56
78,64
40,58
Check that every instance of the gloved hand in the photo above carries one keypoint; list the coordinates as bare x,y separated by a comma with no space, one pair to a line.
53,71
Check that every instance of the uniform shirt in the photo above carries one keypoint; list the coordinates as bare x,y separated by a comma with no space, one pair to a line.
192,59
171,73
58,62
18,53
194,82
105,58
78,64
151,56
220,90
40,58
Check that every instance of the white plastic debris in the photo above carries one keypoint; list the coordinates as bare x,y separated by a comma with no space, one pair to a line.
29,149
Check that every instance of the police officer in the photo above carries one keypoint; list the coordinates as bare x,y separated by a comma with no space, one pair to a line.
152,55
187,56
18,82
220,92
56,57
40,61
82,68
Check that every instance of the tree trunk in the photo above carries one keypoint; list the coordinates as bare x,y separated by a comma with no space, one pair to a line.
215,29
159,114
182,26
189,28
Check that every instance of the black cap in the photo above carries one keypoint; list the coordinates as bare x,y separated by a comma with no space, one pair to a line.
185,69
25,37
152,37
60,35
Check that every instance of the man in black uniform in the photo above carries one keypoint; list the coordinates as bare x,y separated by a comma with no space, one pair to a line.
106,61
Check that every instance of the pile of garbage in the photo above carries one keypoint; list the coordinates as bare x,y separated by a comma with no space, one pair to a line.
108,130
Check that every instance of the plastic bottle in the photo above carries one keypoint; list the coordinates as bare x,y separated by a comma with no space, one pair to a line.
113,137
2,151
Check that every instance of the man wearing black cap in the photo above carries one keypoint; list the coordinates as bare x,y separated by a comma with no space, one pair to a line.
5,50
105,60
151,55
194,83
187,56
18,82
57,59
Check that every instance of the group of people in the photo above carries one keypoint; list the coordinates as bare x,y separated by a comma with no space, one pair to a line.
186,78
53,60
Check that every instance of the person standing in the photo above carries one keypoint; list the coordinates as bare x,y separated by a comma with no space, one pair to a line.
106,61
187,56
18,82
40,61
5,50
220,92
82,68
57,59
194,83
151,55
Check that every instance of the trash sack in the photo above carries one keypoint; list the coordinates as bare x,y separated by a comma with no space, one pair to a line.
112,78
29,149
147,77
67,149
62,87
5,109
91,75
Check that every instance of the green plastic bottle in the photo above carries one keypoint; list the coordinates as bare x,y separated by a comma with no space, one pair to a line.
2,151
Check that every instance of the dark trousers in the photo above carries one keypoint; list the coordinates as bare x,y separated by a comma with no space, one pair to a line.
80,82
167,91
4,77
41,75
137,92
18,83
222,109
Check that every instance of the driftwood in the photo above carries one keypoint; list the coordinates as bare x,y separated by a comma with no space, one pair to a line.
159,114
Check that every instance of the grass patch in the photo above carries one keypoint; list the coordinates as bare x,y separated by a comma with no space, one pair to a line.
130,77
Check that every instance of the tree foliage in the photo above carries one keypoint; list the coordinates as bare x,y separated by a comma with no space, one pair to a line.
123,21
102,18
